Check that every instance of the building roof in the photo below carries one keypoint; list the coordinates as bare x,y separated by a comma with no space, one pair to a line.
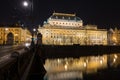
48,26
65,16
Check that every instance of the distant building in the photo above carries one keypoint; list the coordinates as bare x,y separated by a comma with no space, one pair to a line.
68,29
65,20
14,35
114,36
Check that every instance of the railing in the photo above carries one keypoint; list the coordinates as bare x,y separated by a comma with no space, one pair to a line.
14,67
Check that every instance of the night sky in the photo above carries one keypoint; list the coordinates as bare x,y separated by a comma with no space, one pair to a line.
104,14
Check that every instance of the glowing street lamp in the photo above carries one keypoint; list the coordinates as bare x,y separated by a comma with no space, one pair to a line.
28,4
25,4
34,29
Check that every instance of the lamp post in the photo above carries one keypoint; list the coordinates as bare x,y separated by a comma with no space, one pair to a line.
34,30
34,35
29,4
33,38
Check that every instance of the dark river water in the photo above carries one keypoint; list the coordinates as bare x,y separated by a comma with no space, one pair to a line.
76,68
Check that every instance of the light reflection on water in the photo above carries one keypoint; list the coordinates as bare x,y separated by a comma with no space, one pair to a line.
83,63
89,64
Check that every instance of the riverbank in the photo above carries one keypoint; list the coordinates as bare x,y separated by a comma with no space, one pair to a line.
76,51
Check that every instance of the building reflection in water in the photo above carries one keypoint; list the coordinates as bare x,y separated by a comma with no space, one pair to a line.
114,60
89,64
85,64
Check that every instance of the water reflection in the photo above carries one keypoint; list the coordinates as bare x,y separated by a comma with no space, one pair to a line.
114,60
89,64
84,64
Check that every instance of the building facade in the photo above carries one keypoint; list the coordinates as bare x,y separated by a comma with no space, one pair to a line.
65,20
114,36
14,35
68,29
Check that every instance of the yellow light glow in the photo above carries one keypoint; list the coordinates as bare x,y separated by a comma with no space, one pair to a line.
65,67
114,39
84,64
6,29
16,34
115,56
101,61
58,60
114,60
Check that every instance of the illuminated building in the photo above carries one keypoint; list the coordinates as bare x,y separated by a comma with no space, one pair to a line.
65,20
68,29
114,36
14,35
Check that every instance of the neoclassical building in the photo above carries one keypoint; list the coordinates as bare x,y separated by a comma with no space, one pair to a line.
68,29
114,36
14,35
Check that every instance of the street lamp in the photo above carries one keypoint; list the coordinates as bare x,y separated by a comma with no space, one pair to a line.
34,35
29,4
25,4
34,30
